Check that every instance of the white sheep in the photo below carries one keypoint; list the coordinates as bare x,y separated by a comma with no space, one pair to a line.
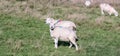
63,34
107,8
87,3
66,24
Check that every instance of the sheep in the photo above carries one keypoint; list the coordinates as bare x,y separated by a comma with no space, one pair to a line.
62,31
107,8
66,24
63,34
87,3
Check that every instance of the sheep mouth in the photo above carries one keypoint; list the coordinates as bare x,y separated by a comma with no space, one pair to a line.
52,29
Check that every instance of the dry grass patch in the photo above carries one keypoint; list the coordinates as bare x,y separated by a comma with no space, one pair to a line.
103,19
77,17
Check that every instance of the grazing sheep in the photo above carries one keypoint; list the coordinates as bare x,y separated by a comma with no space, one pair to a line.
107,8
63,34
66,24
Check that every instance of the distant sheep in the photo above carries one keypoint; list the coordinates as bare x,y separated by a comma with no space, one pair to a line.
63,34
66,24
87,3
107,8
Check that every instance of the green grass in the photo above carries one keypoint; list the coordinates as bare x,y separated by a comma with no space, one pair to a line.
30,36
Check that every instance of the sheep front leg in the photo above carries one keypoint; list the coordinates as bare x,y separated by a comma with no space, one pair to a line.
110,13
56,43
102,11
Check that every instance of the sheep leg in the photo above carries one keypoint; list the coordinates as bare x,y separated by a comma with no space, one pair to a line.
70,45
102,12
74,42
76,46
109,13
56,43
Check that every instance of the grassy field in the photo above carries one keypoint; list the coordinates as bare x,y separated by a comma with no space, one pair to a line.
25,35
30,37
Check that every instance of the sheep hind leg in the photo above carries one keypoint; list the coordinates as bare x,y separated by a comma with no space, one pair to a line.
74,42
70,45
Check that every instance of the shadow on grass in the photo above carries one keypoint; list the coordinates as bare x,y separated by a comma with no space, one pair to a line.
62,43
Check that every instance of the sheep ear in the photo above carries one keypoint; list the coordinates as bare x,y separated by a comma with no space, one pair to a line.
51,18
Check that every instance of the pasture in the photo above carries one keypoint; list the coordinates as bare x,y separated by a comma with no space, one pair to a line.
29,36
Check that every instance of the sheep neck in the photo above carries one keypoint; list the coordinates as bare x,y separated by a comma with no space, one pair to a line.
57,22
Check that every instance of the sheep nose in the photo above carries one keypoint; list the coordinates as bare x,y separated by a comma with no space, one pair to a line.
52,28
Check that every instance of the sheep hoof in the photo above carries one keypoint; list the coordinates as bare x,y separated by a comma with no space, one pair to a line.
69,46
56,47
77,50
